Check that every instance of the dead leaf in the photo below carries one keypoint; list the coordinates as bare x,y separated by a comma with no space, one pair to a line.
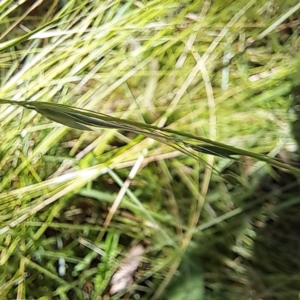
124,276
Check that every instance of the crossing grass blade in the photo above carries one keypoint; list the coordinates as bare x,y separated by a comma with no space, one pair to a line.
217,151
83,119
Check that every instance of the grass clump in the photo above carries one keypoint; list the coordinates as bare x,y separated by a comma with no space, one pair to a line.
73,203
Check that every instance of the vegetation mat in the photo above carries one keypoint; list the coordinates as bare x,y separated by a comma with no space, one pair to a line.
147,150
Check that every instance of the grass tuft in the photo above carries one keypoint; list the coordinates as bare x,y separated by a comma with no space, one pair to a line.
168,84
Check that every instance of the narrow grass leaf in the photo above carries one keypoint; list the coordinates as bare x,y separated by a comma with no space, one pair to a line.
83,119
214,150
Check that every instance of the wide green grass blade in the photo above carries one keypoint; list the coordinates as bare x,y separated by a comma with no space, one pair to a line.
88,120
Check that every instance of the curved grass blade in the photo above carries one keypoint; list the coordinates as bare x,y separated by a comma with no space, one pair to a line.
62,118
85,116
88,120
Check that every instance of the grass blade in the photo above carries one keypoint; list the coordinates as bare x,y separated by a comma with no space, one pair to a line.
83,119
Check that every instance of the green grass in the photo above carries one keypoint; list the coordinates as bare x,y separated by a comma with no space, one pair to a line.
220,71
